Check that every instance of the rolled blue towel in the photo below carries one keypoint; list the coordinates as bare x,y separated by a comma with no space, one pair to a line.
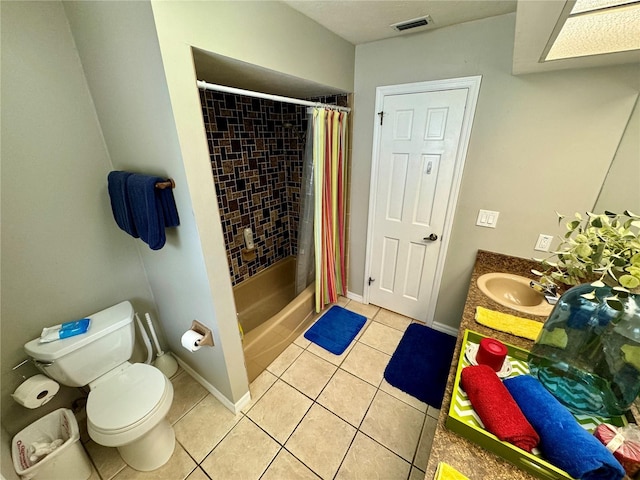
146,209
117,186
562,440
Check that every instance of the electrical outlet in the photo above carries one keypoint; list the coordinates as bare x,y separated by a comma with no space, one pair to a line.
487,218
544,243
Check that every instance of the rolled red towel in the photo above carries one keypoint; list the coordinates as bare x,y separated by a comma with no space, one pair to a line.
624,443
496,407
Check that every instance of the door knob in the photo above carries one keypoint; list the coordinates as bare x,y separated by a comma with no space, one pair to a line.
432,238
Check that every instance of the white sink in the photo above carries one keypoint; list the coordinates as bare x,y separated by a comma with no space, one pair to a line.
513,291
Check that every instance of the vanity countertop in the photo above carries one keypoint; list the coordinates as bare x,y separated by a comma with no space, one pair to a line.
462,454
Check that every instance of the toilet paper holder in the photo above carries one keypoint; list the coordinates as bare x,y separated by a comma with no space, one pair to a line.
207,339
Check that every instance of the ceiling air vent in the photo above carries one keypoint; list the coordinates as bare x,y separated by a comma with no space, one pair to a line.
413,23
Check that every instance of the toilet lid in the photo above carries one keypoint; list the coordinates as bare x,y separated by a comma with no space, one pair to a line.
126,398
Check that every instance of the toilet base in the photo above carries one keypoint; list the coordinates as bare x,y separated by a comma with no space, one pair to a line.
152,450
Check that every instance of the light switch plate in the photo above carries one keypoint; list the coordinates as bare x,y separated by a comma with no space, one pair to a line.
487,218
544,243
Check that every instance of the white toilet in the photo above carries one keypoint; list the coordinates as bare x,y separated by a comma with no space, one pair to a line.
127,403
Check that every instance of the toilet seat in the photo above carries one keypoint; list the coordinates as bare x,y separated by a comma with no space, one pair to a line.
125,406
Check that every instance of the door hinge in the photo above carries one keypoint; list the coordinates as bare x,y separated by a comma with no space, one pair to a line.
381,115
371,280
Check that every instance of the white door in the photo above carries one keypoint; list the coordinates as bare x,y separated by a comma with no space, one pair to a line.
419,143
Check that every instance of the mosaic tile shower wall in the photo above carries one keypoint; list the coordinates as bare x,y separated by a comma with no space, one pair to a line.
256,148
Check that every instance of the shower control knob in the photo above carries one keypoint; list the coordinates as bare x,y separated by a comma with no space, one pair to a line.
431,238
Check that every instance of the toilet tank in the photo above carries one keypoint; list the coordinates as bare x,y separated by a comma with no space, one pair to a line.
76,361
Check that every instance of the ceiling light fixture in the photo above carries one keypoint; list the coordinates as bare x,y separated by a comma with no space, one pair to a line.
595,27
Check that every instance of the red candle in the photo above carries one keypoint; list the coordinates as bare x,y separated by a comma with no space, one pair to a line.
492,353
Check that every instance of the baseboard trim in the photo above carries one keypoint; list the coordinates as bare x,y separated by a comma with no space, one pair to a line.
355,296
445,329
233,407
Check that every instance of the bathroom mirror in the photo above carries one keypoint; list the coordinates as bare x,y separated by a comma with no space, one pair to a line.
619,189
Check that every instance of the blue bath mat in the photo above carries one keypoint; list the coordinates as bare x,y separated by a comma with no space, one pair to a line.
420,365
336,329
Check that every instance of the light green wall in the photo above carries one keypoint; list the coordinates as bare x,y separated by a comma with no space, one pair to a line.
63,257
62,254
270,35
61,243
118,45
620,190
6,462
540,142
140,71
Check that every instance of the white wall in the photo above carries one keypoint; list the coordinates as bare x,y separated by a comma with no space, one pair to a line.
63,257
540,142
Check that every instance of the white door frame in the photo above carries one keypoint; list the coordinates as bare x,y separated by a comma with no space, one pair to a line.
473,85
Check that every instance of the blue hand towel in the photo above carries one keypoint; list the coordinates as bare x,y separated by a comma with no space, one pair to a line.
169,209
117,186
562,440
146,209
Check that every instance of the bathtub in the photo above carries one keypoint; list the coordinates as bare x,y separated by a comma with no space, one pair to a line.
270,314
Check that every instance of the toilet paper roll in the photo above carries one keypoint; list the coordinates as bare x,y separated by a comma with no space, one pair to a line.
35,391
191,339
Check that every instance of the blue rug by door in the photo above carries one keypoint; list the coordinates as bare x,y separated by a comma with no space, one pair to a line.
420,365
336,329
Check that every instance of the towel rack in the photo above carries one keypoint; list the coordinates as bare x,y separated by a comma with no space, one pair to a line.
169,183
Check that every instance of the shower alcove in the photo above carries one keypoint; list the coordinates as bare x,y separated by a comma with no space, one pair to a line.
256,148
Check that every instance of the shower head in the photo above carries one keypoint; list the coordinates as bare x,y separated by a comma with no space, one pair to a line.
294,130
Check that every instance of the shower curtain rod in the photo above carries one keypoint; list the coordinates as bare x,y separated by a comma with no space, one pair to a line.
277,98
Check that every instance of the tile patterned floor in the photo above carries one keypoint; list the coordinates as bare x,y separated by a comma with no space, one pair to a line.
312,415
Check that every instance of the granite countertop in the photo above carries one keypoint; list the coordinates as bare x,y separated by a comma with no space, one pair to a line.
468,457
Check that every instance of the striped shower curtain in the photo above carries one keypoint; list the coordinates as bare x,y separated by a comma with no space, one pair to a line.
329,161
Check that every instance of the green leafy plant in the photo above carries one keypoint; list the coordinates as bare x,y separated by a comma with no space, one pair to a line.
599,248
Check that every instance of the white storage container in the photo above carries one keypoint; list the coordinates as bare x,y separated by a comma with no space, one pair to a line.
68,461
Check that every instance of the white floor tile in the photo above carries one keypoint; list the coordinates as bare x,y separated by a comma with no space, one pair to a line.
309,374
302,342
393,320
417,474
179,466
286,466
107,460
394,424
368,310
258,388
368,460
424,445
285,359
321,441
204,426
381,337
348,397
198,474
280,410
186,394
366,363
245,453
405,397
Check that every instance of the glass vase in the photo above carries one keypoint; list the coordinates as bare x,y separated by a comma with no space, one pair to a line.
588,353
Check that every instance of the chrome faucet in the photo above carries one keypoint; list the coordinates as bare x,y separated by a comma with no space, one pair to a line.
549,291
